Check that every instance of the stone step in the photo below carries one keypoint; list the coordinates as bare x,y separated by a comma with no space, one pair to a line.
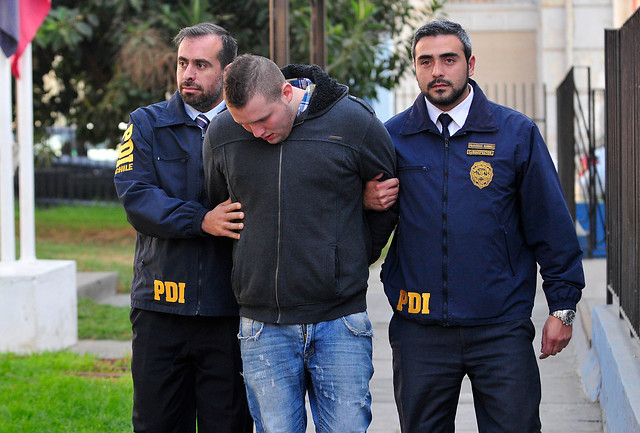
97,286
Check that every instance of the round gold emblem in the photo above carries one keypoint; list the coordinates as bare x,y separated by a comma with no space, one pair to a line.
481,174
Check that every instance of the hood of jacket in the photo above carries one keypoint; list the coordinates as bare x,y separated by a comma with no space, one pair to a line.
327,91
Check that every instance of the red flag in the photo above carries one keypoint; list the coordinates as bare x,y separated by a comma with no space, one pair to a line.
32,14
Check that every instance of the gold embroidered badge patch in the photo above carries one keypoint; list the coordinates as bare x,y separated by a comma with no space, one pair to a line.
481,174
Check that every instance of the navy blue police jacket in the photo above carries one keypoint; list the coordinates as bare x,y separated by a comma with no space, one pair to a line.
478,212
159,179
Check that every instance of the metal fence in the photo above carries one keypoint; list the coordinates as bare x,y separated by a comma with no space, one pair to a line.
580,154
622,72
74,180
566,140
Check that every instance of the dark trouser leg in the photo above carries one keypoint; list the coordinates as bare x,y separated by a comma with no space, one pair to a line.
220,391
427,375
505,379
163,395
185,367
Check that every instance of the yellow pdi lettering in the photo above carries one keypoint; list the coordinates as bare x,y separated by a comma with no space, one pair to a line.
402,300
416,303
158,289
173,292
125,154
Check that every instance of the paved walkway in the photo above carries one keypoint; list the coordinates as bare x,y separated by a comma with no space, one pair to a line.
565,406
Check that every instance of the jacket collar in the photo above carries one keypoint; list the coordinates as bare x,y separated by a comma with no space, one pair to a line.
481,116
174,113
327,90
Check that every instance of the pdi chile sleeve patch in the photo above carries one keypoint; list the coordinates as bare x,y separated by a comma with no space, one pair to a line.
481,174
125,154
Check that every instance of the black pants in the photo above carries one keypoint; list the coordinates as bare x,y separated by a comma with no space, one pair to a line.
187,368
429,363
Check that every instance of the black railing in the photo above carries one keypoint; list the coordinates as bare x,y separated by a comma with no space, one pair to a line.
74,180
622,75
580,157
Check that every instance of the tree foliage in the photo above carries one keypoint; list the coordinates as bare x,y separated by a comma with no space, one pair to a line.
95,62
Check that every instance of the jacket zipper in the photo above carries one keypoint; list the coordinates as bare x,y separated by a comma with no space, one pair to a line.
279,234
200,266
200,241
445,247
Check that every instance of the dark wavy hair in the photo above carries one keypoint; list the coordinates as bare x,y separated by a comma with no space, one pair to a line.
229,49
435,28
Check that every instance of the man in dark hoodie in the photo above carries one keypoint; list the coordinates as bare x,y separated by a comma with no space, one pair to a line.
297,151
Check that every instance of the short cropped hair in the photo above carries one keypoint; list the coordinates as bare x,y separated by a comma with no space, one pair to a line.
435,28
229,49
250,75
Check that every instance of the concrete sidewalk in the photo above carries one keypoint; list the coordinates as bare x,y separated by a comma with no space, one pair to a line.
565,405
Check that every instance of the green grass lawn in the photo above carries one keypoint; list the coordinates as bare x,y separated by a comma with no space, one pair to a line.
98,238
102,322
64,392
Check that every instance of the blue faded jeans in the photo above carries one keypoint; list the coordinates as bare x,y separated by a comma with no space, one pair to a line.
329,360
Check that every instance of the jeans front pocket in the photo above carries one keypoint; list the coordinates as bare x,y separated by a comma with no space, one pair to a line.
358,324
250,329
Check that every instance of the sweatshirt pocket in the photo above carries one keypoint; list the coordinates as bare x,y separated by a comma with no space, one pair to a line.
310,279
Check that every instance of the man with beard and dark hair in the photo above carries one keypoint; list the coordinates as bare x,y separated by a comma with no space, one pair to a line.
186,363
479,208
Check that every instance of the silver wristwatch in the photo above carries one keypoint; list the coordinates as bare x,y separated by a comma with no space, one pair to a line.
566,316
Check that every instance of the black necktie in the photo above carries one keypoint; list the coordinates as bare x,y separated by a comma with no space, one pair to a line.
202,121
445,120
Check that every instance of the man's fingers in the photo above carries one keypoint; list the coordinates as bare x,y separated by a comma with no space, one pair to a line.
234,226
555,337
230,216
230,234
230,207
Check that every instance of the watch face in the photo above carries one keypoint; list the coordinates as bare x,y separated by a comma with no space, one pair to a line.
566,316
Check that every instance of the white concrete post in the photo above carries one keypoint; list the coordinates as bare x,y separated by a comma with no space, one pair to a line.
38,303
24,89
7,222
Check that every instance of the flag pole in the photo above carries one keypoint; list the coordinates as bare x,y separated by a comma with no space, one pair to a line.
7,205
24,88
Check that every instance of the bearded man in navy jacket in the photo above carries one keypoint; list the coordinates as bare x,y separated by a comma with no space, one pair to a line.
186,364
480,207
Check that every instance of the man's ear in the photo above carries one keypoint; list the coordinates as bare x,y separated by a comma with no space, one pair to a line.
287,92
472,65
